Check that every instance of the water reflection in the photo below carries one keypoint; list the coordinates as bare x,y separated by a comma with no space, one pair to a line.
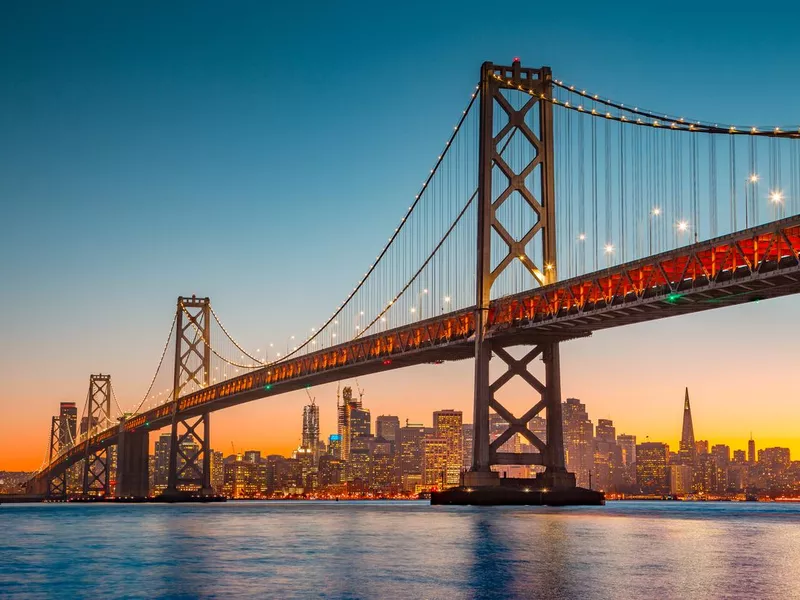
399,550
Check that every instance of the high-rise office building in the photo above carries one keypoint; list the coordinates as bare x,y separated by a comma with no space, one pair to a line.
245,479
360,423
751,450
387,427
652,473
467,433
627,444
410,452
701,447
578,440
335,446
253,456
344,420
739,457
161,453
217,471
68,424
382,465
447,425
680,479
607,468
686,450
435,455
722,461
310,439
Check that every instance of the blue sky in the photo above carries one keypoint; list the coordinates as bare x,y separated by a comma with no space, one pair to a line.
260,153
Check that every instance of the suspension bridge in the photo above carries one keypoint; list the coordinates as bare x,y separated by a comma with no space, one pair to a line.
550,213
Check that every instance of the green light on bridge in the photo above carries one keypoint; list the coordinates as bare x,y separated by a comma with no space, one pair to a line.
267,387
147,424
673,297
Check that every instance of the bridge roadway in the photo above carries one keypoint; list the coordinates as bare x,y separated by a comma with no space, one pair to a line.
754,264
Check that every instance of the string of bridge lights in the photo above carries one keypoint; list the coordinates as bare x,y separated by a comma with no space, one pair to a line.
396,232
646,118
419,271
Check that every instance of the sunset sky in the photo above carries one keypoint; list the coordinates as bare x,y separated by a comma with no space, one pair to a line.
261,154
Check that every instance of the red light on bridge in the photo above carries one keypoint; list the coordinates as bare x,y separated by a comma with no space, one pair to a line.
387,362
516,59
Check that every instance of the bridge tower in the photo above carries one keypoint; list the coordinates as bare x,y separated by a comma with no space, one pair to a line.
57,482
190,452
535,184
96,466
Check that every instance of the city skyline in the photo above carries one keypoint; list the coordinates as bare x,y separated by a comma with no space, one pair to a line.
130,139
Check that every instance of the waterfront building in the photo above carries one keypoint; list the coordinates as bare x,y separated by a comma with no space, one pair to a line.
680,479
244,479
447,425
652,473
161,473
217,471
331,471
722,461
607,467
435,455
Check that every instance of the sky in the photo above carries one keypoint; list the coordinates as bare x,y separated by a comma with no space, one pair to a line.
259,153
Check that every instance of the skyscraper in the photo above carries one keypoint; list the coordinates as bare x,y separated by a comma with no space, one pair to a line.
68,424
652,468
410,452
751,450
687,451
447,425
310,440
435,454
467,432
387,427
578,440
345,410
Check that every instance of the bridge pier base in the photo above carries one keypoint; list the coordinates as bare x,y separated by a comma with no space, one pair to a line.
555,486
190,457
132,465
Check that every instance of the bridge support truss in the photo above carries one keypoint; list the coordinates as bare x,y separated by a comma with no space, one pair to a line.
57,481
536,128
190,451
96,467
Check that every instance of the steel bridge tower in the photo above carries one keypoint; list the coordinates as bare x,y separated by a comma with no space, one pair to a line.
534,122
96,467
190,469
57,482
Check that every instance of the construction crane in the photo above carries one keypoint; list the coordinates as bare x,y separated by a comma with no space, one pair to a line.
360,391
310,397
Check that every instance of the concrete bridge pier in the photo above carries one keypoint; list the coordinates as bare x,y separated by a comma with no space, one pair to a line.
132,464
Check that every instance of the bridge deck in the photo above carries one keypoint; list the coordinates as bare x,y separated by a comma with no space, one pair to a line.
758,263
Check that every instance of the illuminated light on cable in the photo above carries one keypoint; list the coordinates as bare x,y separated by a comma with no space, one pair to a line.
753,178
776,197
754,130
447,298
683,225
413,310
582,237
549,267
609,248
425,291
656,211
